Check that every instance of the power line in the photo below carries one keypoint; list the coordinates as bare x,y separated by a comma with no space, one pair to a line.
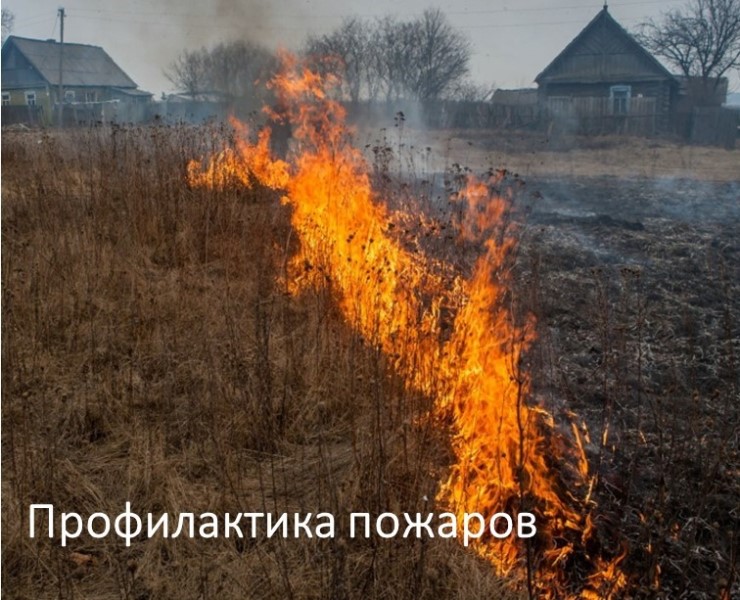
259,27
211,15
32,17
542,24
32,22
263,27
54,28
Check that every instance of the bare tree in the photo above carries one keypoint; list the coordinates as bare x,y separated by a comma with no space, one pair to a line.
393,54
423,58
230,68
8,18
348,49
187,72
702,39
441,56
233,68
469,91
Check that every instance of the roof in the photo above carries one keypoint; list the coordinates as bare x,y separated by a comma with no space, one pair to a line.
83,65
133,92
627,45
204,96
518,97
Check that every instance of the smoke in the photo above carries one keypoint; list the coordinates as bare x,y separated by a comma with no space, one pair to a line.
145,37
244,19
208,22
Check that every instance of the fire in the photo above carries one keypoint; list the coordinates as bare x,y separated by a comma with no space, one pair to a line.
242,164
505,449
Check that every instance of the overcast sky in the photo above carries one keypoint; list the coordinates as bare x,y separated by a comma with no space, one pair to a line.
512,40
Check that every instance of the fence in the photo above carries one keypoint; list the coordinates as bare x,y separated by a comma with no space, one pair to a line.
715,126
439,114
25,115
594,116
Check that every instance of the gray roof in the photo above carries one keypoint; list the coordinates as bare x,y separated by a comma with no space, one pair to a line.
83,65
599,24
515,97
132,92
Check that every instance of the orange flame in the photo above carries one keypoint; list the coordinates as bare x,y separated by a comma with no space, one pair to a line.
504,448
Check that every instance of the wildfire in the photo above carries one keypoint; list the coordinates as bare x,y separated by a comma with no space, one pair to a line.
505,449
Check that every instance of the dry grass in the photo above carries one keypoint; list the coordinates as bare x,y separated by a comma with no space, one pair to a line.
149,356
531,155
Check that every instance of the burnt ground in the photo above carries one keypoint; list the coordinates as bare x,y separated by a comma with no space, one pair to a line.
636,287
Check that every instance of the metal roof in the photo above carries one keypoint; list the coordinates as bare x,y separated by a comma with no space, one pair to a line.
83,65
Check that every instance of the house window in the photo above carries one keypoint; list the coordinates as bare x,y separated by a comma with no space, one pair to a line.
91,97
31,98
6,98
619,99
69,95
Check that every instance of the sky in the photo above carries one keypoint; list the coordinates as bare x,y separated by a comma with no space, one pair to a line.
512,40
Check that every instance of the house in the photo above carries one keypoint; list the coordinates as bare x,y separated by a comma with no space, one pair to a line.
95,88
604,81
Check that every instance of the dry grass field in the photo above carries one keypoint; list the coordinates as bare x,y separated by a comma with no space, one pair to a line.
148,356
537,155
151,354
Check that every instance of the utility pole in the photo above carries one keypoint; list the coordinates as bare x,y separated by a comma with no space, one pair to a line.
60,97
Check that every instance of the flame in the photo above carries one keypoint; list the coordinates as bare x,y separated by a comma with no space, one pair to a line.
241,165
509,455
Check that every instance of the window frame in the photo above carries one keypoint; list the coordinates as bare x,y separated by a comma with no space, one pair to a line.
619,100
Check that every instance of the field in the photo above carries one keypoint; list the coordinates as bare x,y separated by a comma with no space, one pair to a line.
534,154
152,355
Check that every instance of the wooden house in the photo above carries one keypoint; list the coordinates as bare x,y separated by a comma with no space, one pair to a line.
604,81
94,86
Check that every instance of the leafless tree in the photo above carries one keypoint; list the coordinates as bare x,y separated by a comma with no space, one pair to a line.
8,19
346,51
423,58
230,68
187,72
235,67
440,58
469,91
702,39
393,54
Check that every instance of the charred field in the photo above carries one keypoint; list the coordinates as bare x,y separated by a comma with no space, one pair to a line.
637,299
152,355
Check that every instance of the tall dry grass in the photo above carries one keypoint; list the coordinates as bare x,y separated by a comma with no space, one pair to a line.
150,356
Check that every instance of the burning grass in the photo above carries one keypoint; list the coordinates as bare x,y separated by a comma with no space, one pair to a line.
149,356
504,448
206,347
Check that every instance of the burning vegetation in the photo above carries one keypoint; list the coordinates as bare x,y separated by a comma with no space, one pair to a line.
194,323
452,335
